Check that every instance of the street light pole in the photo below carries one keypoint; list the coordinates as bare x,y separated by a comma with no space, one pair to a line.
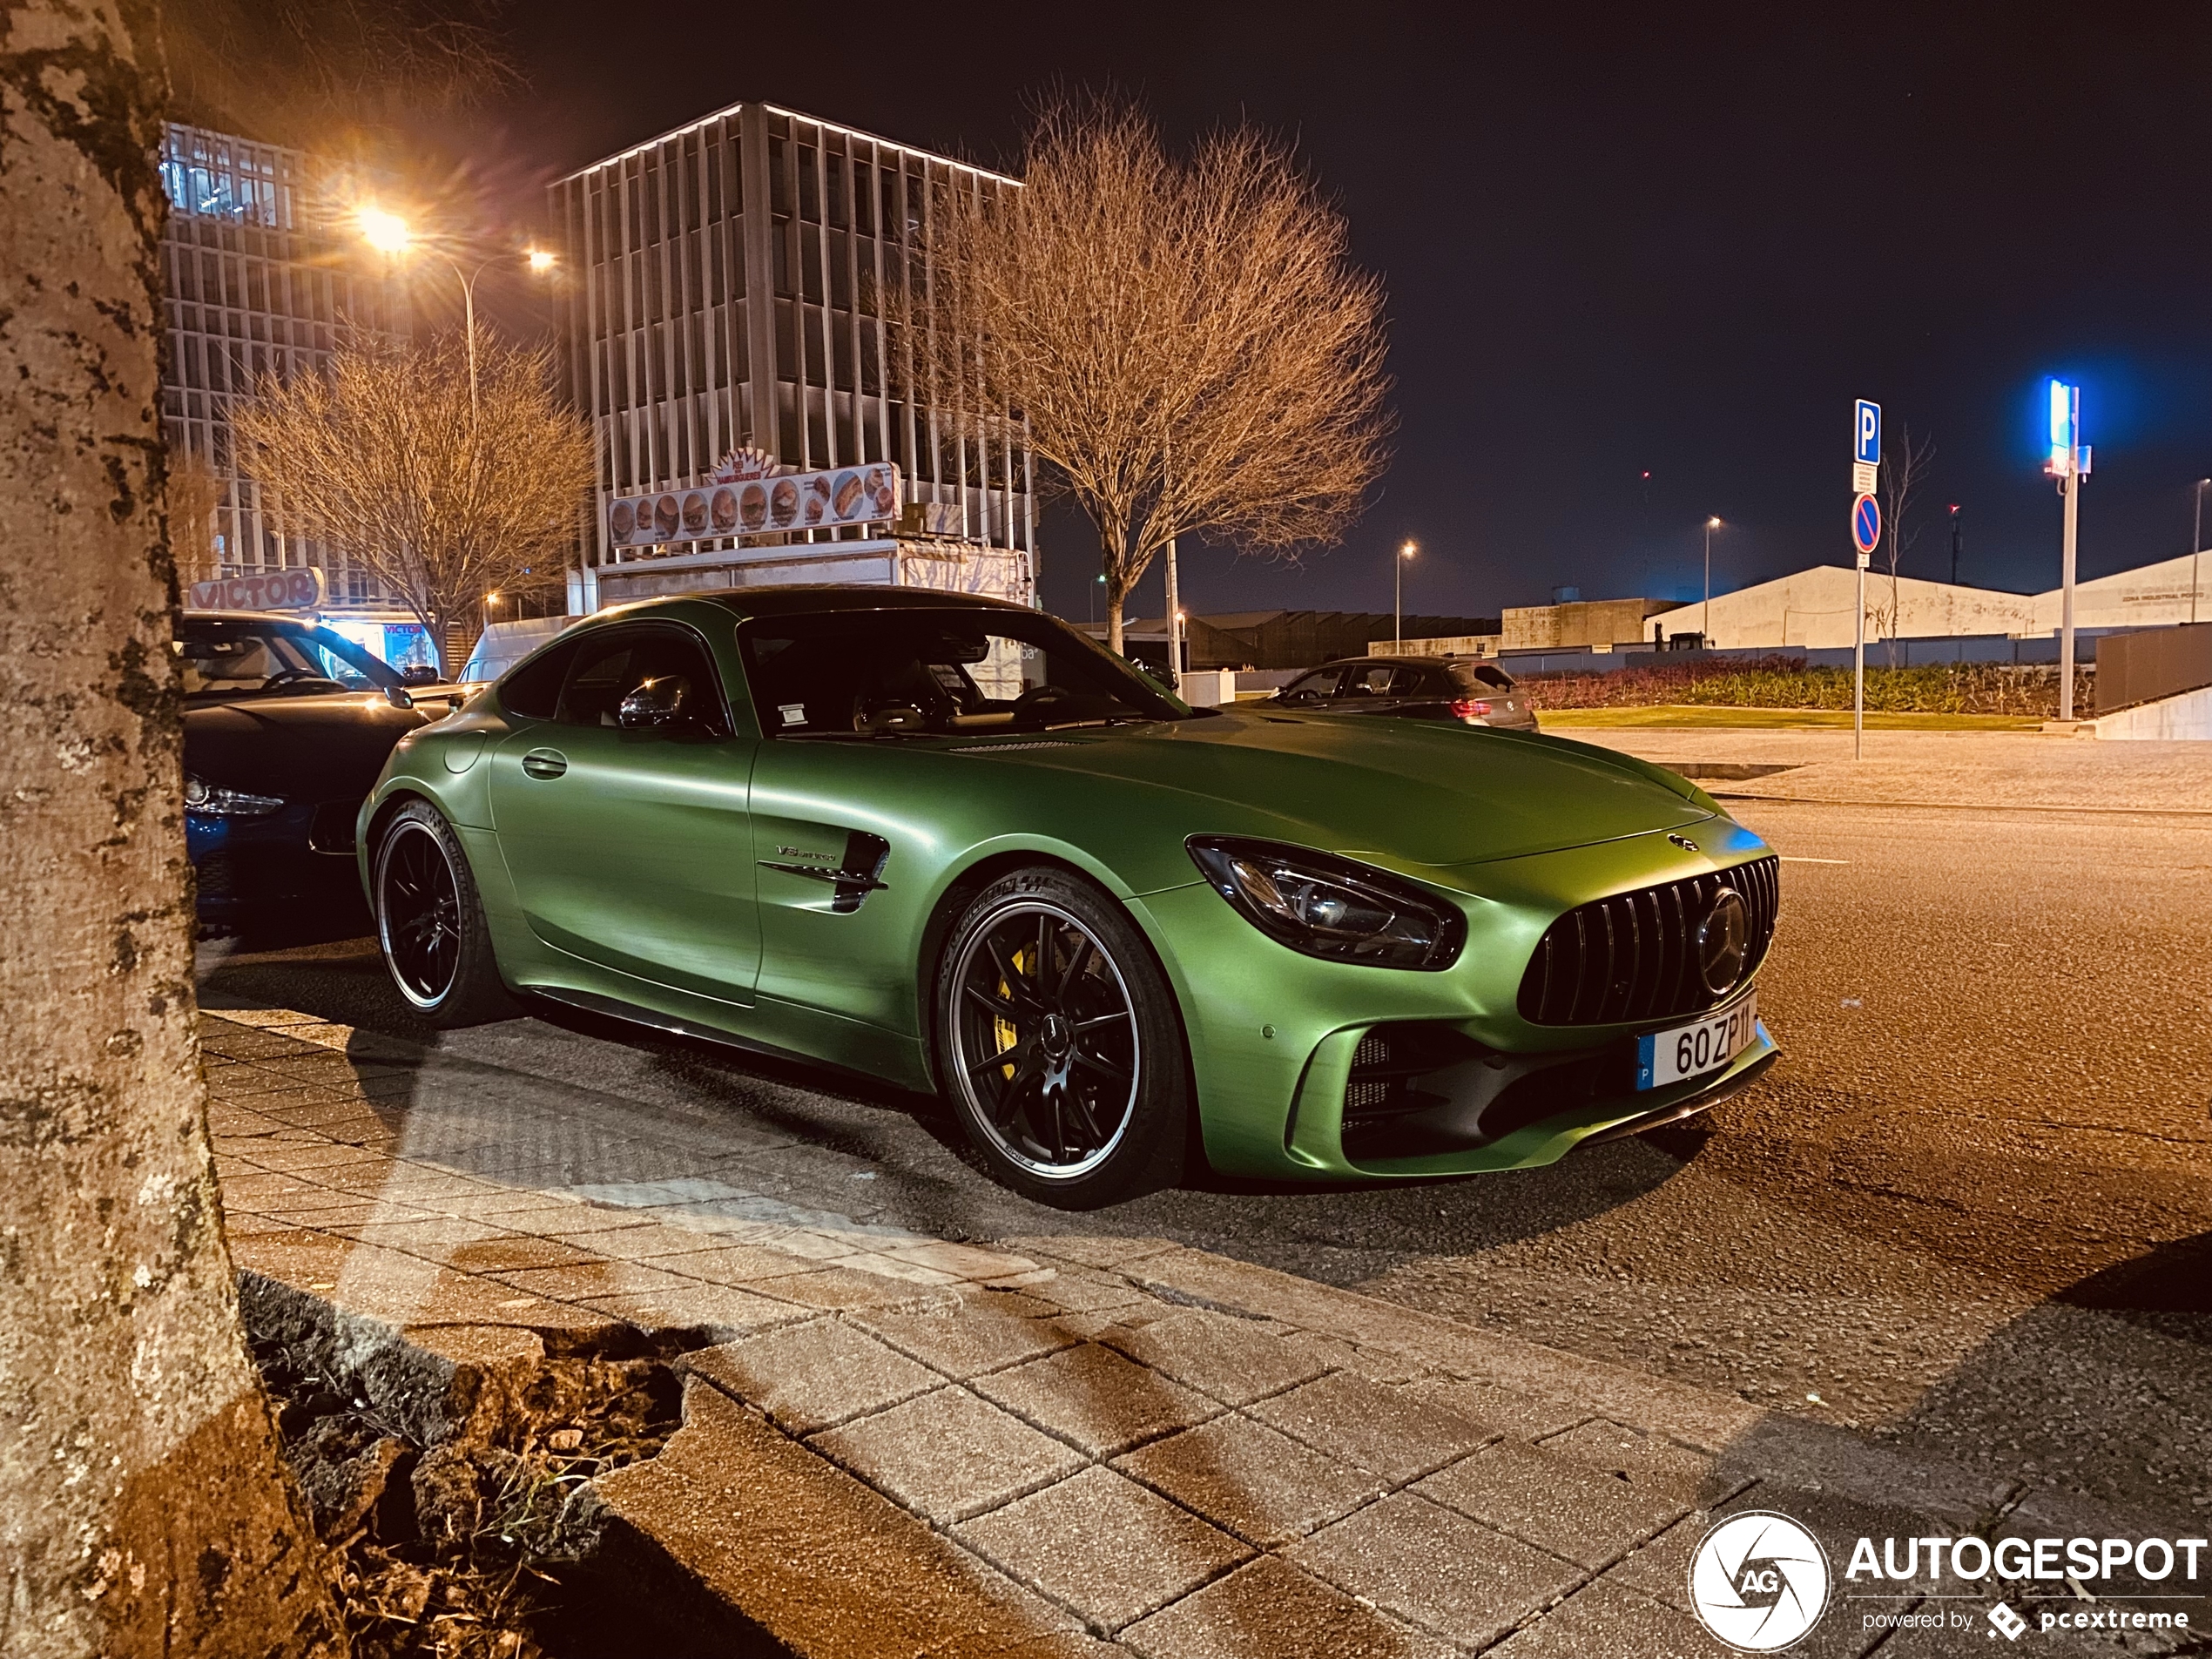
2068,462
1954,546
2197,544
1705,612
1175,625
1397,596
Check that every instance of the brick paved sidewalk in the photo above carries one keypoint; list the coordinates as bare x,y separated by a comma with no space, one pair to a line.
893,1444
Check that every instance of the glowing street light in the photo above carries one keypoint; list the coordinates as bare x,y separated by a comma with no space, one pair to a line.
390,235
2069,464
385,231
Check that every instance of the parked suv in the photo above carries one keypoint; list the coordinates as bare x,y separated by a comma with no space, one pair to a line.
1413,688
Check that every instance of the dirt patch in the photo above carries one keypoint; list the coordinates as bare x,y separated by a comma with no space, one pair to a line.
477,1536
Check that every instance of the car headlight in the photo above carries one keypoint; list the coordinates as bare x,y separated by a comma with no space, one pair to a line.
204,800
1331,908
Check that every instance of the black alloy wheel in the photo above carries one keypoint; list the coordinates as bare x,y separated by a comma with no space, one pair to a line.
419,915
1060,1047
430,925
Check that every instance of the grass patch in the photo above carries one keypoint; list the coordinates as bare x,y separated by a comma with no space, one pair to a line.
1694,717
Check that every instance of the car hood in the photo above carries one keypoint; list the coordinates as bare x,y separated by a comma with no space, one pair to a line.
300,748
1406,790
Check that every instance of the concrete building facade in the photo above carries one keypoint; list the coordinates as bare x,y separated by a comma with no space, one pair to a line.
733,285
263,274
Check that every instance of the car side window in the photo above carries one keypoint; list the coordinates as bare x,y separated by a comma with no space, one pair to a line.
1308,688
607,667
1370,680
533,690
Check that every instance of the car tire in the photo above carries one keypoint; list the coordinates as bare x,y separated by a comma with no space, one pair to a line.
1073,1082
430,922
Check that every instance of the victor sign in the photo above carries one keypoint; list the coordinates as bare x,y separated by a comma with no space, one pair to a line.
279,591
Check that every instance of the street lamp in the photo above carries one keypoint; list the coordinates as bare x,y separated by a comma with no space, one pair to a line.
1705,612
1398,596
2196,544
391,236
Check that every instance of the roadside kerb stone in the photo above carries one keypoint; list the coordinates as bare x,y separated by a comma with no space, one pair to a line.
1096,1400
813,1376
1584,1517
1064,1445
1105,1546
949,1455
1434,1567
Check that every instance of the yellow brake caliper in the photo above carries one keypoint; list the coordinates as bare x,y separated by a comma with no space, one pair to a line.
1003,1028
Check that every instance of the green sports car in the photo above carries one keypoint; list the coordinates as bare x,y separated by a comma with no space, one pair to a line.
953,844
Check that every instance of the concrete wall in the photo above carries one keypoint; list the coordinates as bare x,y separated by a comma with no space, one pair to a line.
1811,610
947,567
2186,717
2152,595
1579,626
1452,645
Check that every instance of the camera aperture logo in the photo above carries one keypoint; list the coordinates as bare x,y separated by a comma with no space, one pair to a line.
1759,1581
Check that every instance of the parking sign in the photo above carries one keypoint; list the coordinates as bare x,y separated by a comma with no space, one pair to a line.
1866,439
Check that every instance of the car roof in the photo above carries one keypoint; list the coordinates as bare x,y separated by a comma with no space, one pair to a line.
260,617
802,599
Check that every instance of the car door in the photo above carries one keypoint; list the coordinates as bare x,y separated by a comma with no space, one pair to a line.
631,846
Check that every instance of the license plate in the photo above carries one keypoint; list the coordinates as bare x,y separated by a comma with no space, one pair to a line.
1691,1050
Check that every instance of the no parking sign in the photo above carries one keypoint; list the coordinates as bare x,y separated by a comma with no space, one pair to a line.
1865,526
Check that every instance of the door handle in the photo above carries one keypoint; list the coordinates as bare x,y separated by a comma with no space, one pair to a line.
544,763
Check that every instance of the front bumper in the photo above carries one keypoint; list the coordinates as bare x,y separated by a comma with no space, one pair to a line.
1273,1035
295,864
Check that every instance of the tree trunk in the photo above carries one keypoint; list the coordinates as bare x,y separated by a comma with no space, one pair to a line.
1117,591
146,1510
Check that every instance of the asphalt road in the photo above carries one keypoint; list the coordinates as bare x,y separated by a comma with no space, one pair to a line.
1971,1207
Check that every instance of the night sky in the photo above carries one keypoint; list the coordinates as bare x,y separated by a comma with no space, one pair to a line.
1670,240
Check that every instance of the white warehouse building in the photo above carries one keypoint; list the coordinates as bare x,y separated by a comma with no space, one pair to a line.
1811,610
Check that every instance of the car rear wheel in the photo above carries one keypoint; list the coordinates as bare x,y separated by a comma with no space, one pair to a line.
1059,1043
430,923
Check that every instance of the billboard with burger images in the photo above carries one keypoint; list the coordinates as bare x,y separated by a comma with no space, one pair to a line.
748,497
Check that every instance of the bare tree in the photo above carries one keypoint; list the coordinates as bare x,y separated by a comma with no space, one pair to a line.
146,1510
443,497
316,73
195,492
1904,470
1187,346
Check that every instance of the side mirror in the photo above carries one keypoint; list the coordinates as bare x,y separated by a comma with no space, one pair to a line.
895,717
398,697
655,703
419,674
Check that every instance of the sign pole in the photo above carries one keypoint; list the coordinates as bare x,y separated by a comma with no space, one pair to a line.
1865,535
1858,669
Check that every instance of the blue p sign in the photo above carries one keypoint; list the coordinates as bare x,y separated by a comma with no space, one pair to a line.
1866,444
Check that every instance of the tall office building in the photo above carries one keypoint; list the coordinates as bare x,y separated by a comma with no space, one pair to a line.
726,291
263,271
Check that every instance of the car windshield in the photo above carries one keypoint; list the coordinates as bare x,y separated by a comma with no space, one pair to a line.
937,670
247,659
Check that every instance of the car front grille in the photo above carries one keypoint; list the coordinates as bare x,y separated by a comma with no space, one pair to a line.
1633,957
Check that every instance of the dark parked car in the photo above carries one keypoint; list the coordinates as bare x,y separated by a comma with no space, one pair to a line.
1414,688
286,726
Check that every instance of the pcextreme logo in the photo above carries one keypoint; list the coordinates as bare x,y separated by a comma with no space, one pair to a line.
1759,1581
